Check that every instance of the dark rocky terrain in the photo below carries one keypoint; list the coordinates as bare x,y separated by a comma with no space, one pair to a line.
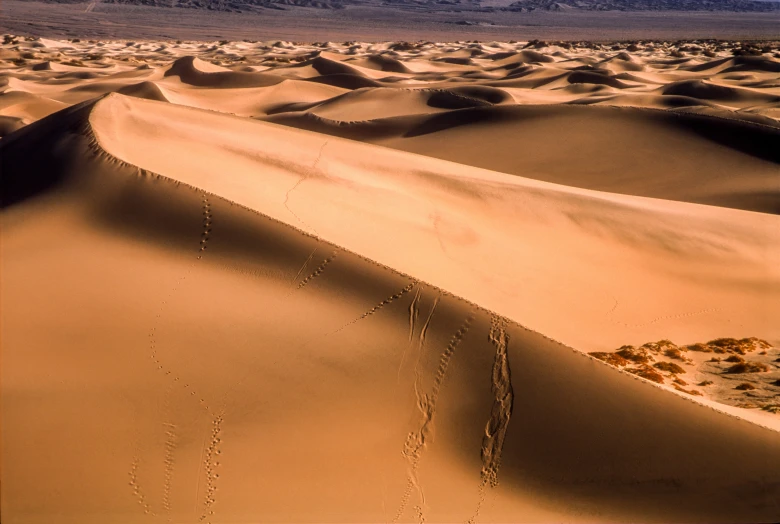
373,20
646,5
747,6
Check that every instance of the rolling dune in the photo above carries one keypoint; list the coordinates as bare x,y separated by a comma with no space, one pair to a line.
381,310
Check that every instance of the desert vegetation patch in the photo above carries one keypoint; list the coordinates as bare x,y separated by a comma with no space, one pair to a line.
744,372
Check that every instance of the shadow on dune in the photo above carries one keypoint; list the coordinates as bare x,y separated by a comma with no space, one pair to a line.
37,157
188,70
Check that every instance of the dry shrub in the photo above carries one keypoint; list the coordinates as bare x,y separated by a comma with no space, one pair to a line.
741,346
637,355
688,391
660,346
675,353
714,359
703,348
748,367
745,386
669,367
705,383
648,373
735,358
680,381
772,408
610,358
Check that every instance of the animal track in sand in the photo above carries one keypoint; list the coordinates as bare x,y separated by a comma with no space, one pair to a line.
500,413
210,465
379,306
317,272
426,403
175,380
135,486
170,448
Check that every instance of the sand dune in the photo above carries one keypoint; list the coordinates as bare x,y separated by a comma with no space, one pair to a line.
385,316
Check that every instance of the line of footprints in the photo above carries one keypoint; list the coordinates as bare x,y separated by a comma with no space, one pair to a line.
204,237
211,464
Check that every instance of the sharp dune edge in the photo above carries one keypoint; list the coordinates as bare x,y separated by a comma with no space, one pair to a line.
211,318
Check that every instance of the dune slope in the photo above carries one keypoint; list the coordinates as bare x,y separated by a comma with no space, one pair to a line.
220,347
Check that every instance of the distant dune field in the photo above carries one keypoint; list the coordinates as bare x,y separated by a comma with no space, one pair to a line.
389,282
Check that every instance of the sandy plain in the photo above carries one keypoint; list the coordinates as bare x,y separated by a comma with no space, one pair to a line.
362,282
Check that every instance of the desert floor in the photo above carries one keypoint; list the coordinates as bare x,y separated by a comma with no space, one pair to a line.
389,282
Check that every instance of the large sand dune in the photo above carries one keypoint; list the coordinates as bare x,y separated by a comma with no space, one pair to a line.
209,317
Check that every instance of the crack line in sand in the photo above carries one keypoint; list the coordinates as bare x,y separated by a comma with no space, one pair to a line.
305,263
416,441
298,182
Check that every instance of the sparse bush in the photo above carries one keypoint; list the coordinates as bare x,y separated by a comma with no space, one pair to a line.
748,367
637,355
610,358
735,358
669,367
680,381
705,383
688,391
675,353
741,346
745,386
703,348
648,373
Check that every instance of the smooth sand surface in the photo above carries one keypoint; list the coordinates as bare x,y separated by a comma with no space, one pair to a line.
381,310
